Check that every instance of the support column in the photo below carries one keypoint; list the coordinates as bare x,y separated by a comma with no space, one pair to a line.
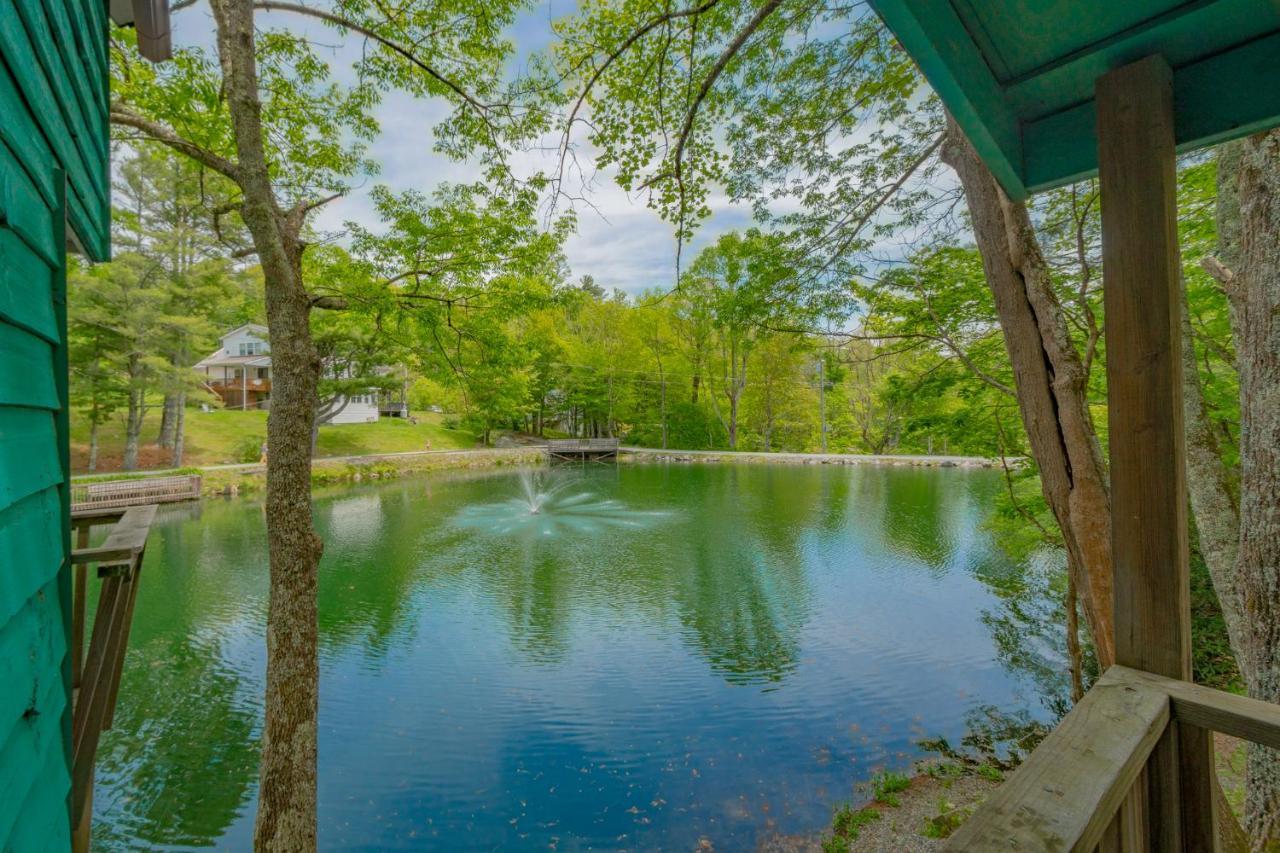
1136,168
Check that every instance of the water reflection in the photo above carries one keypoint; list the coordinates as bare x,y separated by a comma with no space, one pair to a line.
635,657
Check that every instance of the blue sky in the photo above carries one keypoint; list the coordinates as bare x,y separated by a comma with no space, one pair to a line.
619,241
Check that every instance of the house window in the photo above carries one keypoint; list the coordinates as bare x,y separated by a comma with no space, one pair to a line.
264,373
251,348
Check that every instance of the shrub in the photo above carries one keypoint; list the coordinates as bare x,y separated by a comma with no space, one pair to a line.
249,448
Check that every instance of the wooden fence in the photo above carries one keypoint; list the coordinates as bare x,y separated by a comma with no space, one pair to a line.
95,673
121,493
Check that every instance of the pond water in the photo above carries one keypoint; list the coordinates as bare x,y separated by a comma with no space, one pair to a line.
657,655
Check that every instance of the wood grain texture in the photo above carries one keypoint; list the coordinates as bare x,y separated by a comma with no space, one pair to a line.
1142,295
1066,794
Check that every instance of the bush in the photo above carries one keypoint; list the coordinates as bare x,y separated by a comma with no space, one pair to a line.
249,448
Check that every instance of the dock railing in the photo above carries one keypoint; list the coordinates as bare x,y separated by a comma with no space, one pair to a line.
96,671
582,449
1093,783
109,494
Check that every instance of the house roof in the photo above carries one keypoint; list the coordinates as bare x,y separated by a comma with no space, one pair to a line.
1018,75
257,328
219,360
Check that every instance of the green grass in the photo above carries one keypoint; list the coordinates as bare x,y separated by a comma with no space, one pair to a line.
886,786
846,824
220,436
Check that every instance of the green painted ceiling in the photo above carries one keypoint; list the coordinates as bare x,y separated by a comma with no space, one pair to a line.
1019,74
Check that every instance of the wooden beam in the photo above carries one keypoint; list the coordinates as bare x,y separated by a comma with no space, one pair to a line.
1239,716
1064,796
1136,170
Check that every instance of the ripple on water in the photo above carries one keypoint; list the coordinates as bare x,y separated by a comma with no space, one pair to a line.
636,657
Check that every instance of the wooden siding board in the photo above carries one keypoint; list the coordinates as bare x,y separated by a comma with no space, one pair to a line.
25,140
28,454
24,212
26,370
37,89
30,549
90,214
24,281
47,41
73,45
34,732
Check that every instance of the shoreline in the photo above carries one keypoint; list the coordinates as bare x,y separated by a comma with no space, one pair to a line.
250,477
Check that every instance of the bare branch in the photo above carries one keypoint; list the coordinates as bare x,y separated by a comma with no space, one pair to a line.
122,115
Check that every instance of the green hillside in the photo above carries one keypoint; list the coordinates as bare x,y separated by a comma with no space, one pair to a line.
228,436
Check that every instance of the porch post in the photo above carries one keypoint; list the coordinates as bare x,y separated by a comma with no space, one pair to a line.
1144,404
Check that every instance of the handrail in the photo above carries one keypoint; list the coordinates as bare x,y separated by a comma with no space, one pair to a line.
582,444
95,674
1067,795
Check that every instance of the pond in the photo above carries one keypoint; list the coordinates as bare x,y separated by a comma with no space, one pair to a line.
633,656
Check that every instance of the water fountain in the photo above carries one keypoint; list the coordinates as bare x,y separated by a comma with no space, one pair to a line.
548,504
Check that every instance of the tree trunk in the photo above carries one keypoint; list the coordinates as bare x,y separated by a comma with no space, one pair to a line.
733,421
179,429
286,818
93,443
1257,297
168,416
133,429
1051,384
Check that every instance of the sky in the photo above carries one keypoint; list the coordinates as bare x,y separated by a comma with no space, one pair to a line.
619,242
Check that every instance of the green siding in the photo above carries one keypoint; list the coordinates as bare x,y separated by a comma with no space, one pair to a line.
54,179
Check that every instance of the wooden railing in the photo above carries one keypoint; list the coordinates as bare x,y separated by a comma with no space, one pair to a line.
95,674
234,384
556,444
1085,787
145,490
582,449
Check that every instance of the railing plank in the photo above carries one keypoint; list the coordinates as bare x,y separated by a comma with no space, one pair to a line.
125,541
1239,716
1065,795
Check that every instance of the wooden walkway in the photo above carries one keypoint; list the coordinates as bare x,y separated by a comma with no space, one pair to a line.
111,494
582,449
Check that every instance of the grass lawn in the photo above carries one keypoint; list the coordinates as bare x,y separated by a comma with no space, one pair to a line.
223,436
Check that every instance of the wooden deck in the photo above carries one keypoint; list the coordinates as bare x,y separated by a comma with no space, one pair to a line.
95,672
113,494
582,449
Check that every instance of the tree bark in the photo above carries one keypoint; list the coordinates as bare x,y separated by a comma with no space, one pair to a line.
1257,298
168,415
93,443
133,428
179,429
286,818
1051,384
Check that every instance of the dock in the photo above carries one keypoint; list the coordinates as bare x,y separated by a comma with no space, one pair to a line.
113,494
582,450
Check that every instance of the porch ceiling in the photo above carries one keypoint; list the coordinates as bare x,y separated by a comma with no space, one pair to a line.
1018,75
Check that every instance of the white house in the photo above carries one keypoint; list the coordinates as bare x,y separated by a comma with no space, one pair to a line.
240,374
240,371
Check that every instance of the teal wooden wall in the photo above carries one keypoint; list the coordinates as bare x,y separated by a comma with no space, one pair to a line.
54,192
